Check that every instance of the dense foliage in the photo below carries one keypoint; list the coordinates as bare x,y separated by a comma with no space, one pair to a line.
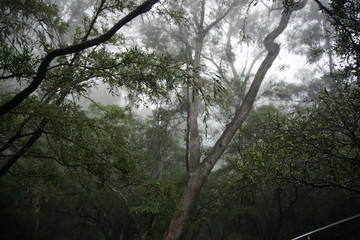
73,168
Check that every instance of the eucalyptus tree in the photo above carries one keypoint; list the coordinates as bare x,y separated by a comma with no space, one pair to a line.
320,144
35,55
41,72
199,172
187,35
234,50
205,16
54,61
58,71
315,149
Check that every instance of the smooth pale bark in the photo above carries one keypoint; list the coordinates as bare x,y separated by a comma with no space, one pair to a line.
194,138
193,159
327,36
36,193
199,176
43,68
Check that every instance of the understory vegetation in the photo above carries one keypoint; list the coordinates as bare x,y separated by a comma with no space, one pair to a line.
134,119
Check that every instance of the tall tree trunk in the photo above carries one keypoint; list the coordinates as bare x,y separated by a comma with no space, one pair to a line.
35,206
194,138
193,159
198,177
328,45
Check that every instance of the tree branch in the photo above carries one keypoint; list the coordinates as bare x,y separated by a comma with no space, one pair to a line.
221,17
37,134
199,176
338,22
43,68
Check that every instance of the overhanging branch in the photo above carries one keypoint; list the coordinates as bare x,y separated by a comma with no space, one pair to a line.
43,68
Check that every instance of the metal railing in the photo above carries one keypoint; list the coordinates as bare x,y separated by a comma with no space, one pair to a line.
325,227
